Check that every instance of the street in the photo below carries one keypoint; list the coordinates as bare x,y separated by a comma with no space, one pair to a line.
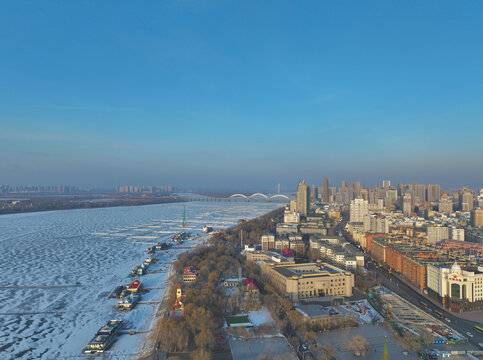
401,288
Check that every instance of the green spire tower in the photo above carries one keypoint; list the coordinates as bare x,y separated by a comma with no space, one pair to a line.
385,353
184,216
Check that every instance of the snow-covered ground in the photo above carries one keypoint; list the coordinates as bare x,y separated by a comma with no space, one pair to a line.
60,266
260,317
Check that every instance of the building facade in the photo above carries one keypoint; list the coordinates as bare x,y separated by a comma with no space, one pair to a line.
303,198
358,209
311,280
456,283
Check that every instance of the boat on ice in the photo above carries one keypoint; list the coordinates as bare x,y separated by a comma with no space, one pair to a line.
162,246
134,286
180,237
207,229
104,337
128,302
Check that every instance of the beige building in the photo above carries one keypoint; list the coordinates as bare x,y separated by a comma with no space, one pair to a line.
477,217
434,192
358,209
466,201
268,256
303,199
268,242
437,234
306,281
456,283
291,217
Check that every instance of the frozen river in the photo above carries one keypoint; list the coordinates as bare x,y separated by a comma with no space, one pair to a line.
60,266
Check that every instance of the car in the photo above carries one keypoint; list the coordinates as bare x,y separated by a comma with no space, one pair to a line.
469,334
405,353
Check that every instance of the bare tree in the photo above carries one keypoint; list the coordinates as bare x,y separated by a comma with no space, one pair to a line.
359,344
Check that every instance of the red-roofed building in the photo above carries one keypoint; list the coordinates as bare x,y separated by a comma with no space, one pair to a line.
134,286
288,253
250,289
189,274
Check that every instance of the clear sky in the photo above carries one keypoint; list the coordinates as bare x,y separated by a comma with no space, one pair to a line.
241,94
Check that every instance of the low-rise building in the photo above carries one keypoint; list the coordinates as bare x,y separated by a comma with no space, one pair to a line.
269,256
325,317
306,281
189,274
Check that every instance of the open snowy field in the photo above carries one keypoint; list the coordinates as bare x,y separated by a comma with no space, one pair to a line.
60,266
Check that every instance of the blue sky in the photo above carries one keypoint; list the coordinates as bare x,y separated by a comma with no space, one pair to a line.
241,95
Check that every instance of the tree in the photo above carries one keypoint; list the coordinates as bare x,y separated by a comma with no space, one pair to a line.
359,344
328,351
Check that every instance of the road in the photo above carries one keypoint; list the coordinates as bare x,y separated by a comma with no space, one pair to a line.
401,288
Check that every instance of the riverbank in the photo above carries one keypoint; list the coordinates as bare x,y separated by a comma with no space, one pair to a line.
56,295
199,330
51,203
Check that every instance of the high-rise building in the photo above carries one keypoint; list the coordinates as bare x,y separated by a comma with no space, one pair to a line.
480,199
434,192
419,193
391,198
457,234
386,184
303,198
356,190
358,209
437,234
477,217
407,205
314,193
376,224
466,201
445,204
325,190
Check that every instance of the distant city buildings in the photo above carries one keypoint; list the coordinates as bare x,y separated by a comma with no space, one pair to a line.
466,200
386,184
134,189
434,192
44,189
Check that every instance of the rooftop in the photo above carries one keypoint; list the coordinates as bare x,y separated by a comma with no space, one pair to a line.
310,269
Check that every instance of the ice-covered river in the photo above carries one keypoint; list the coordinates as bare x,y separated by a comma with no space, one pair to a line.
60,266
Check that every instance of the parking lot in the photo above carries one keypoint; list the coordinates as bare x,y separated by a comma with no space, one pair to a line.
375,334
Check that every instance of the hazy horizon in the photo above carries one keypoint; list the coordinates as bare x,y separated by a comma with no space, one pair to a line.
234,95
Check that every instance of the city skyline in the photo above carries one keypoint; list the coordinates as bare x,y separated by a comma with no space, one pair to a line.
103,94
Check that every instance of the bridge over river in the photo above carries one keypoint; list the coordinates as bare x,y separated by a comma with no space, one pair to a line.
242,197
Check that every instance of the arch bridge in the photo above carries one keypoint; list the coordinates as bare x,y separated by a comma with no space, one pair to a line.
259,195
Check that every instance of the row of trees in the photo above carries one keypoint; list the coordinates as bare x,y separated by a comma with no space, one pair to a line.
249,231
205,300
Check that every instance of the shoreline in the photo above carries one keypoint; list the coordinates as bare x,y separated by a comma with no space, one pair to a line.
95,205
